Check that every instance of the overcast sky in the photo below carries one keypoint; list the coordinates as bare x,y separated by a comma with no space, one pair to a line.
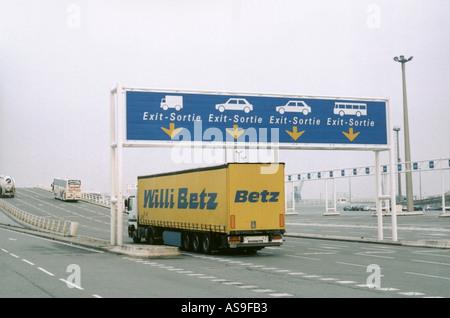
59,59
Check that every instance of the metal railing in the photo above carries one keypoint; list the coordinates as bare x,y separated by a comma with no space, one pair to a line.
96,198
65,228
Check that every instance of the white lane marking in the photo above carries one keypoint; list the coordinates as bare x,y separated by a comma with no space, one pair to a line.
351,264
311,276
411,293
71,284
303,257
281,295
426,275
207,277
27,261
263,290
45,271
232,283
371,255
428,262
388,289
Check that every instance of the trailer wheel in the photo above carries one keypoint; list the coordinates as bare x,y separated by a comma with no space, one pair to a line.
206,243
185,241
196,247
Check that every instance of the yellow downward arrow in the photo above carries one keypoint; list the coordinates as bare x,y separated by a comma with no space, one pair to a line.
294,134
235,132
350,135
172,132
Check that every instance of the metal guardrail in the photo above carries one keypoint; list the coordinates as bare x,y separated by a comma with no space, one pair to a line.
96,198
66,228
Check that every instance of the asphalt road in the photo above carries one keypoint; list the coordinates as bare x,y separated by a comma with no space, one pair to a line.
35,267
364,224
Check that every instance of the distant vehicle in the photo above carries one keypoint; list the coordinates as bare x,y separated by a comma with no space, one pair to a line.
66,189
294,106
422,208
7,187
357,208
235,104
171,101
342,109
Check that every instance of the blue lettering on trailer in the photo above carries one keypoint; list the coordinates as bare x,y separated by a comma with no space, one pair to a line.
253,197
164,198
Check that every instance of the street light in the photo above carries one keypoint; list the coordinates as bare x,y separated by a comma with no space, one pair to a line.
397,129
409,189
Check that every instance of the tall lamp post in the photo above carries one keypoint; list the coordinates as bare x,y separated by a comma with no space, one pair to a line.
397,129
409,189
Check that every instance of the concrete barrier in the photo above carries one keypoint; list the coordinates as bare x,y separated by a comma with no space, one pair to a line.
65,228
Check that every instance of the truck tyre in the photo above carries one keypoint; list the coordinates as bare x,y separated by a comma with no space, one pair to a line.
136,238
150,238
196,246
185,241
206,243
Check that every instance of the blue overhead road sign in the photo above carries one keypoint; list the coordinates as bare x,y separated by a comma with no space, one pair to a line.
215,117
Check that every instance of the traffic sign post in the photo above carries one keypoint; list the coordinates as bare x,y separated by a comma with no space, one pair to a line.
168,118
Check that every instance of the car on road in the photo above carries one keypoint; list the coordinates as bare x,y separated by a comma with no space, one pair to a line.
294,106
235,104
358,208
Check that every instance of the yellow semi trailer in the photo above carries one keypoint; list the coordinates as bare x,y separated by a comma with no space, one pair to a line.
236,205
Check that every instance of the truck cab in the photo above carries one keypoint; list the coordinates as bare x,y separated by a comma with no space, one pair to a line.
131,209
